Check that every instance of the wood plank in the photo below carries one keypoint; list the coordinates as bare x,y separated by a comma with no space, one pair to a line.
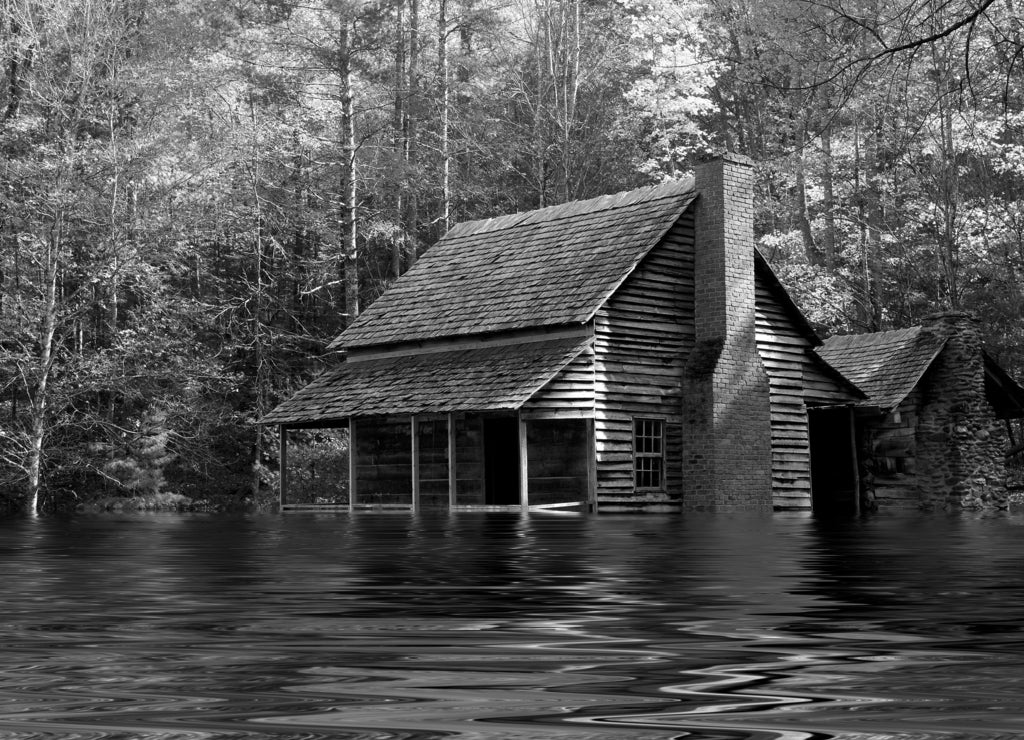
642,337
524,478
471,342
352,463
536,413
283,464
452,480
415,451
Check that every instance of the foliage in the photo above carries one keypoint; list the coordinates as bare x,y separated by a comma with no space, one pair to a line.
195,197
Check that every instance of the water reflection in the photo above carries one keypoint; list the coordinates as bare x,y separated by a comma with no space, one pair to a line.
508,626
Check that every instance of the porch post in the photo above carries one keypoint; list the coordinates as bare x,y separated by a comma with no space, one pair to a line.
855,461
415,463
524,493
591,464
282,461
452,480
352,463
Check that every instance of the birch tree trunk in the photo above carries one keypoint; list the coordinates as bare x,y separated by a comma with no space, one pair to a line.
828,198
39,400
399,140
444,94
262,379
348,210
412,112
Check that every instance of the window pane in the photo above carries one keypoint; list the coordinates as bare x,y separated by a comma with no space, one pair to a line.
648,451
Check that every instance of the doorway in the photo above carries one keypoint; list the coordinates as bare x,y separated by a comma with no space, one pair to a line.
834,477
501,461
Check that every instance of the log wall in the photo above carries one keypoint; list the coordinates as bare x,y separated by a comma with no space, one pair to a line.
643,335
570,394
889,452
794,379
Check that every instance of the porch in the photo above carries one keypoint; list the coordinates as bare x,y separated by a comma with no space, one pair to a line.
456,461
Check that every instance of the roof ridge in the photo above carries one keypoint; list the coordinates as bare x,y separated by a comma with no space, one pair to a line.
575,208
838,340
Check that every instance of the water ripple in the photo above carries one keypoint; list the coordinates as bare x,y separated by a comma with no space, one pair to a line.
492,626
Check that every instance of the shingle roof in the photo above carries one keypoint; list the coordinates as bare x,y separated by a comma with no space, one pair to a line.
478,379
541,268
886,365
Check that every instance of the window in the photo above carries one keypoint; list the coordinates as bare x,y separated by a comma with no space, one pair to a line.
649,453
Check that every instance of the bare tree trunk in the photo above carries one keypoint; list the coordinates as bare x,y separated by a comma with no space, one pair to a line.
412,143
803,218
867,289
259,350
570,93
464,156
948,186
399,140
297,255
39,401
446,156
829,198
540,103
18,65
875,218
347,212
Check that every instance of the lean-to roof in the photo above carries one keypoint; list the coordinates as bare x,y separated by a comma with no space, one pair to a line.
1002,391
487,378
885,365
536,269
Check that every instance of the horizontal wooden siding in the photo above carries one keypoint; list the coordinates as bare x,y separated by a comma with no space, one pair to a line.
569,395
643,335
794,379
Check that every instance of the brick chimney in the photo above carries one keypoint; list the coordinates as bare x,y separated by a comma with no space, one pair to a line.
959,441
726,414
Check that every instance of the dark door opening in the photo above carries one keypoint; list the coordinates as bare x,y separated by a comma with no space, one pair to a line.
834,480
501,461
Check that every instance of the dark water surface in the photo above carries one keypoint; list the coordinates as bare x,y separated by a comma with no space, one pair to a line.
507,626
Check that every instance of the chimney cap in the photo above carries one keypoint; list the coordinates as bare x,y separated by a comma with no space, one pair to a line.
726,156
949,317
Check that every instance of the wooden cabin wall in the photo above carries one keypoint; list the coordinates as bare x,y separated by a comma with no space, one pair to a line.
383,461
890,454
469,460
794,379
433,462
557,460
643,335
570,394
783,351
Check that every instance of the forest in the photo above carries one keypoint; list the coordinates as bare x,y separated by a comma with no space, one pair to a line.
196,196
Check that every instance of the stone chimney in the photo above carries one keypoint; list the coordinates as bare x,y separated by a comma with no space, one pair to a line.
726,414
959,440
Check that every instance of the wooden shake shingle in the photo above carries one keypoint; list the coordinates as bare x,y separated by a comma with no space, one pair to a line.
543,268
480,379
885,365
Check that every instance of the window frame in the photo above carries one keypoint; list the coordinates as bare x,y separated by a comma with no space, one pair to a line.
658,433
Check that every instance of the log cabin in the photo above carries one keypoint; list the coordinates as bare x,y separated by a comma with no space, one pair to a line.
632,351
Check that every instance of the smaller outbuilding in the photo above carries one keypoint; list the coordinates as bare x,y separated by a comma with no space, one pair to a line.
935,426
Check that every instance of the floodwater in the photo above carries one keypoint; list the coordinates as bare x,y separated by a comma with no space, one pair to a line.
506,626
